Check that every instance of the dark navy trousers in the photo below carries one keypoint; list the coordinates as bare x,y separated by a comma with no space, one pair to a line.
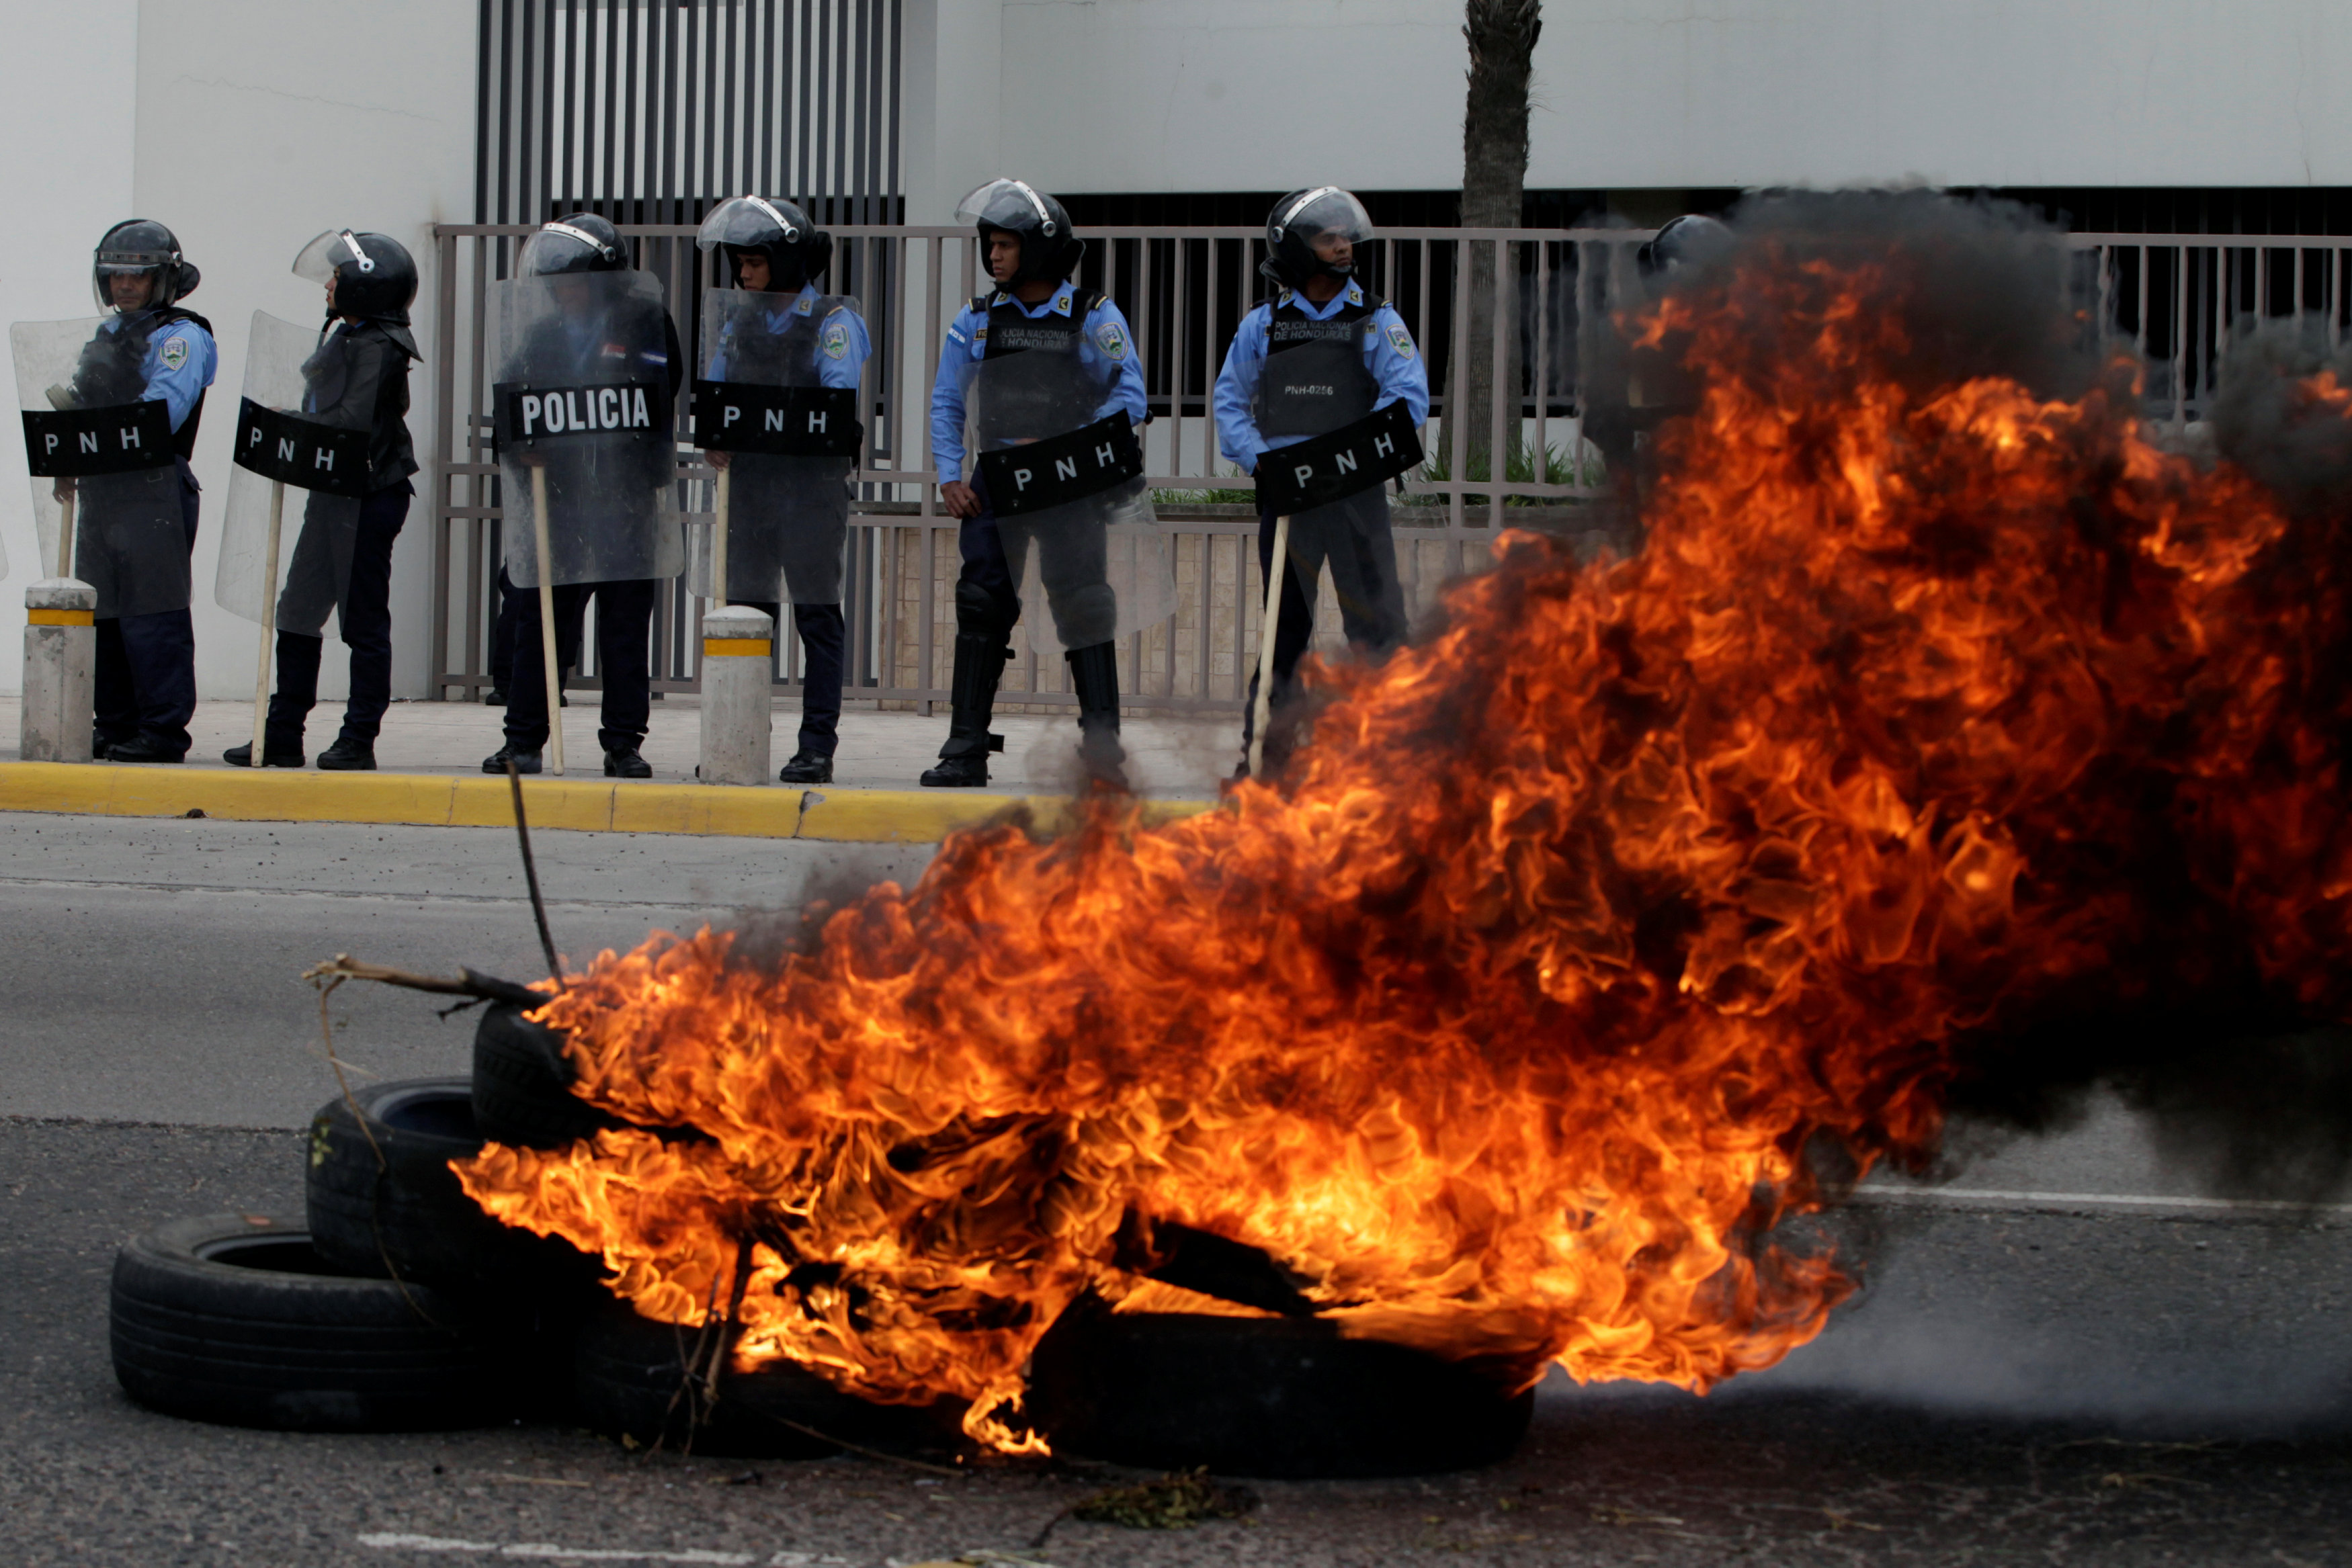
146,666
363,619
824,634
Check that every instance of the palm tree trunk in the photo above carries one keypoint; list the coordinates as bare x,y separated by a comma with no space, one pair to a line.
1502,34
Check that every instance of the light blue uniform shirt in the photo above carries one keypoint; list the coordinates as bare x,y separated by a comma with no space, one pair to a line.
180,358
1389,355
841,345
1106,346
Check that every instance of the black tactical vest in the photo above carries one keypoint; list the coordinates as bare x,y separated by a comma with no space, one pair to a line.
113,370
1314,381
787,359
1031,383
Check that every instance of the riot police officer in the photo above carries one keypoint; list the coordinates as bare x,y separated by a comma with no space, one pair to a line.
1320,356
1631,392
787,509
356,379
1036,358
589,372
135,532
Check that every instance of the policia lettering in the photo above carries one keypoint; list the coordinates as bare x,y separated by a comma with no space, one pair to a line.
524,414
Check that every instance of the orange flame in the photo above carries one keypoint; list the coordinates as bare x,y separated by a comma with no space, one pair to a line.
1507,1018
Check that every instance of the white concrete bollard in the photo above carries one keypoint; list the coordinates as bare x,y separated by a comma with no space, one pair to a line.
60,670
737,644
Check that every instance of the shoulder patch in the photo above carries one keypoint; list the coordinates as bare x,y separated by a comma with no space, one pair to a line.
1112,341
1399,339
836,342
174,352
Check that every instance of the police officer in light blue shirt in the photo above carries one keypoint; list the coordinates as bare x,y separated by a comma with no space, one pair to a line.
788,514
1043,357
134,532
1319,356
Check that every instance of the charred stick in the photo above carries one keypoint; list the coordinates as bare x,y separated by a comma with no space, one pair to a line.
529,866
482,988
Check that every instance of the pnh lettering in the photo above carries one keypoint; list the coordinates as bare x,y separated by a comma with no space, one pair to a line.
772,420
585,408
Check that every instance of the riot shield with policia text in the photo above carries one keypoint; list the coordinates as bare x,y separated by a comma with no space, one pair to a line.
105,484
782,512
583,397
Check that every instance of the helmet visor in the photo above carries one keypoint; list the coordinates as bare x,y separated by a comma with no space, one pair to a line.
335,249
1326,213
752,221
560,248
1013,204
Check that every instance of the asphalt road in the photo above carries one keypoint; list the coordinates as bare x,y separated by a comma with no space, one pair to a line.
2063,1354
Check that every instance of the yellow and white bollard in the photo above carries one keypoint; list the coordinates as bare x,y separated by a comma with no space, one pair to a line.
60,670
738,647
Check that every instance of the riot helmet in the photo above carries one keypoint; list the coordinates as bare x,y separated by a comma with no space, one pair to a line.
1048,250
375,277
140,245
1693,239
577,241
1301,229
797,250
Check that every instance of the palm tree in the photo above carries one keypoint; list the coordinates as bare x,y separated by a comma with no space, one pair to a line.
1502,36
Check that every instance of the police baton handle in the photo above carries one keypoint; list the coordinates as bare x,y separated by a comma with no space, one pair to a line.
1264,704
268,617
547,616
719,545
66,531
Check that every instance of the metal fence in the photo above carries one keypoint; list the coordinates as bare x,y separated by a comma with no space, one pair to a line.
2179,297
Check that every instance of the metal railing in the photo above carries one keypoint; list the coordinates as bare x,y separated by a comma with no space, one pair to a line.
2179,297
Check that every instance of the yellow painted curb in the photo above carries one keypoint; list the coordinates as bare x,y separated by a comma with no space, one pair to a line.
444,800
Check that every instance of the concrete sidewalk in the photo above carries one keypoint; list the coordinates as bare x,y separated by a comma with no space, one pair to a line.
430,758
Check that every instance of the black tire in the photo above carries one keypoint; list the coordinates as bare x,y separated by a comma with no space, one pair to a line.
236,1319
630,1381
383,1202
522,1084
1280,1398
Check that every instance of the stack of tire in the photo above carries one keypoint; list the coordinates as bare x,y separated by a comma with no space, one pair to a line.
398,1305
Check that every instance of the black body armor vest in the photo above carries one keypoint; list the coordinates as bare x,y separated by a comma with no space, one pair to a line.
1031,383
1314,381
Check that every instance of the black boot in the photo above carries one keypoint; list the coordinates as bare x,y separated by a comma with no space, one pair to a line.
349,756
807,767
624,762
963,761
273,754
1094,675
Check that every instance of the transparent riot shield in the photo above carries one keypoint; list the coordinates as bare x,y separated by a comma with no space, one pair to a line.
302,454
1092,569
791,442
95,443
583,399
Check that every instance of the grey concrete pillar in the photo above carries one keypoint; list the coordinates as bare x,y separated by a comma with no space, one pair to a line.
737,643
60,670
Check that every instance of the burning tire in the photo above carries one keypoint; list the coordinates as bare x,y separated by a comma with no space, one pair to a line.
236,1319
631,1380
1273,1397
383,1201
522,1084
